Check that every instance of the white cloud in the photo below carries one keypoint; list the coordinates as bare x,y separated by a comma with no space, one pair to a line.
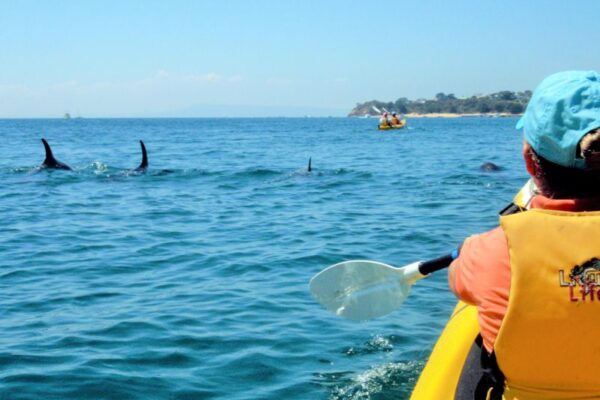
158,79
158,91
161,74
65,85
207,77
211,77
279,82
14,88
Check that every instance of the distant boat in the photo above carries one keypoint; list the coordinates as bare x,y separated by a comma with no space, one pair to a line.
67,116
401,125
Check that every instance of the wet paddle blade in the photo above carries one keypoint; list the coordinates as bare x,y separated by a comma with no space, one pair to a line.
361,290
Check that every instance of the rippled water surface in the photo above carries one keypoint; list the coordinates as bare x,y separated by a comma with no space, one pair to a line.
190,281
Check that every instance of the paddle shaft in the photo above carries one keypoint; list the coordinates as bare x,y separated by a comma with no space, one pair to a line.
427,267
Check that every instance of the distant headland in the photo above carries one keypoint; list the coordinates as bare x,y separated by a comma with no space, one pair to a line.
504,103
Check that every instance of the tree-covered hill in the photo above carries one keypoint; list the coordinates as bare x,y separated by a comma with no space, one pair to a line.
502,102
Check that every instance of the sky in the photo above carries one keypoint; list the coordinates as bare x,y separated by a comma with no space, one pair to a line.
277,58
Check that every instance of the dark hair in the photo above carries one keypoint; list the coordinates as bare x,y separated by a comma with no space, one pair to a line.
560,182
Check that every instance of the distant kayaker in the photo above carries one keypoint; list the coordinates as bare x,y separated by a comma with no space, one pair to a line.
535,278
383,121
395,120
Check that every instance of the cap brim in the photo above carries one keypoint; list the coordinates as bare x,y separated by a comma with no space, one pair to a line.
520,123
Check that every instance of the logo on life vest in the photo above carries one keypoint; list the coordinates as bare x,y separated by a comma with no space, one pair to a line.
583,281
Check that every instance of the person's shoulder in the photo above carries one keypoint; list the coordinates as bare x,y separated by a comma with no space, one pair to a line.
483,245
491,235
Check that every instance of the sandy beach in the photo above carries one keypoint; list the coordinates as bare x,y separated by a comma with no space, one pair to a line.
451,115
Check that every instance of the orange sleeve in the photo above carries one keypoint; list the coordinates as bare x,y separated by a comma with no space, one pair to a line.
482,277
482,266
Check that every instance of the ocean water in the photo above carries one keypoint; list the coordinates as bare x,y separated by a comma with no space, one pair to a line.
190,281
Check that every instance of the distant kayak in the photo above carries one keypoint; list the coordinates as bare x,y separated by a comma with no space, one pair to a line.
401,125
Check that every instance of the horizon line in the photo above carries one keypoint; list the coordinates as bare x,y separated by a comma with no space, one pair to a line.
181,117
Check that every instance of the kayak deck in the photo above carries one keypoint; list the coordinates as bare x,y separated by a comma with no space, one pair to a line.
440,376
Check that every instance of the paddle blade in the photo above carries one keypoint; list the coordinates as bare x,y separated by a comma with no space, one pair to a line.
361,290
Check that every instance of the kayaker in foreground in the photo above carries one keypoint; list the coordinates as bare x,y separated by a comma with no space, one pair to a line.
395,120
535,279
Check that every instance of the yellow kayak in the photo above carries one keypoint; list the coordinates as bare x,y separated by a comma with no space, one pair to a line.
401,125
442,371
440,376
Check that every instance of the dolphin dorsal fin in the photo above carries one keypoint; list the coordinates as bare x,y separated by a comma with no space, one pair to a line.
310,164
144,163
49,160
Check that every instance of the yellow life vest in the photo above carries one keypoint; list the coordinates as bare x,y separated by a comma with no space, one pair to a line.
395,121
548,346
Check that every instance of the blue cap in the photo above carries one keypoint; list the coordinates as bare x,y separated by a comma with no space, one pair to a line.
563,108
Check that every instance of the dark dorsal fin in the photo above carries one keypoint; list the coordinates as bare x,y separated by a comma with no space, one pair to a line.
310,164
49,156
144,163
50,161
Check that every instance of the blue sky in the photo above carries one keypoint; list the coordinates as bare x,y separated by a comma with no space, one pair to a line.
258,58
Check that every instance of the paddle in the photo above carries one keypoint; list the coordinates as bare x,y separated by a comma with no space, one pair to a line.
361,290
